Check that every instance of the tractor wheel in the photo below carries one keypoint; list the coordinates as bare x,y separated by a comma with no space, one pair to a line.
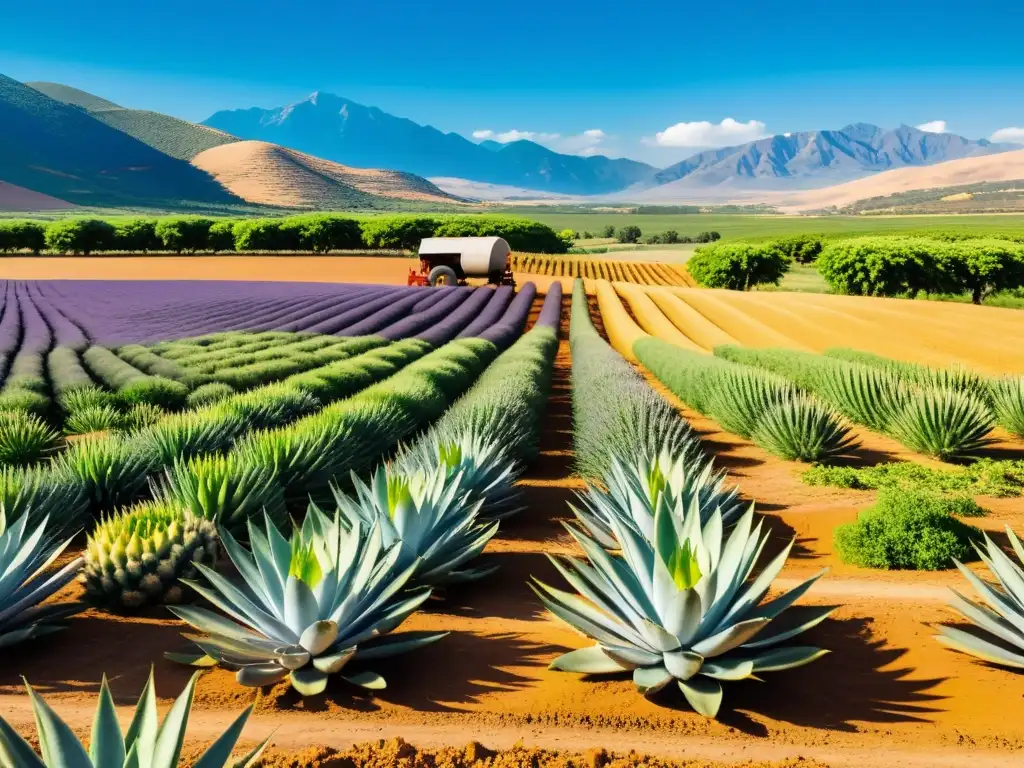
443,276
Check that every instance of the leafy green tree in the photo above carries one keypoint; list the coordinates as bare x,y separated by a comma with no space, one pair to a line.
397,232
803,249
79,236
326,232
608,231
186,234
670,236
707,237
886,266
984,266
22,236
737,266
136,235
222,236
629,234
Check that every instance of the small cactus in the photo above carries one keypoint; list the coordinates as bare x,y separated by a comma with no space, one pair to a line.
135,559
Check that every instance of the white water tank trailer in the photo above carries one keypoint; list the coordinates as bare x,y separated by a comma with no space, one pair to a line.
451,260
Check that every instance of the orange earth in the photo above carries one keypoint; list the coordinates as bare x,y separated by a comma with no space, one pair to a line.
887,695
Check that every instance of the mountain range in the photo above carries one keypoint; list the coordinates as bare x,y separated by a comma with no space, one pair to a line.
338,129
324,152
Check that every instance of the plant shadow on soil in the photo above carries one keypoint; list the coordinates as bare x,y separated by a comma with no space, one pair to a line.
856,681
465,667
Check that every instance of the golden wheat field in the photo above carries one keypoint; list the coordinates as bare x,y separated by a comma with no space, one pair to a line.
587,267
933,333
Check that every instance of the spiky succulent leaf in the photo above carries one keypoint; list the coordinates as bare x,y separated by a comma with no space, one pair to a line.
112,470
289,618
943,423
26,553
800,428
24,438
97,418
682,604
46,492
146,743
1007,395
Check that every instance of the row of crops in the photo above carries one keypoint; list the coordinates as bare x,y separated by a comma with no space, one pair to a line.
343,496
805,406
644,273
348,494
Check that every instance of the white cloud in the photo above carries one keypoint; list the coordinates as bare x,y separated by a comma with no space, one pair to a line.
706,134
504,137
1009,135
587,143
934,126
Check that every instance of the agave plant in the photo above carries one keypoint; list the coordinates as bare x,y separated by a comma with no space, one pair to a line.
429,515
479,455
80,398
112,469
1007,395
95,418
863,394
802,429
142,415
307,608
224,489
192,433
738,398
147,744
43,492
26,552
1000,615
680,608
943,423
636,489
25,439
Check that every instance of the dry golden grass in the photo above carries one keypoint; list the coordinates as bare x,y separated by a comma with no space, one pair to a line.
591,268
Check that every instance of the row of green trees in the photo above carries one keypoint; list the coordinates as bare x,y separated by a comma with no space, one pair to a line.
313,232
908,266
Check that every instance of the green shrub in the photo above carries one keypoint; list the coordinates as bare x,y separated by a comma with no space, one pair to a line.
221,236
147,361
670,236
22,236
66,371
737,266
96,418
801,429
207,394
905,530
983,477
324,232
267,235
983,266
185,234
136,235
397,232
142,415
707,237
25,401
629,234
154,390
112,470
803,249
86,397
25,439
943,424
109,368
882,266
79,236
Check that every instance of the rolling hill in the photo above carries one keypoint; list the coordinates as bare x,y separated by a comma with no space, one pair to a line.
1006,166
267,174
341,130
62,151
174,137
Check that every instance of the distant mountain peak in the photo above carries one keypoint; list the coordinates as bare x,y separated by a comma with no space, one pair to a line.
344,131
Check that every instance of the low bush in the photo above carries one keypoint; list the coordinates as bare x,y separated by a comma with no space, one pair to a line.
80,236
221,236
96,418
322,233
628,234
154,390
397,232
136,235
984,477
184,234
908,530
737,266
22,236
208,394
25,439
267,235
66,371
803,249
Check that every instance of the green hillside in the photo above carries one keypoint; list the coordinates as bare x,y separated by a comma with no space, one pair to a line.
63,151
174,137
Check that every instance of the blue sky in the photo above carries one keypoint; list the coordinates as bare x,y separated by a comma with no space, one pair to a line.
652,80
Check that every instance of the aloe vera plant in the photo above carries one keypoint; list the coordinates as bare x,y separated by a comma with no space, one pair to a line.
636,489
943,423
999,616
148,743
26,552
430,516
308,607
680,609
802,429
